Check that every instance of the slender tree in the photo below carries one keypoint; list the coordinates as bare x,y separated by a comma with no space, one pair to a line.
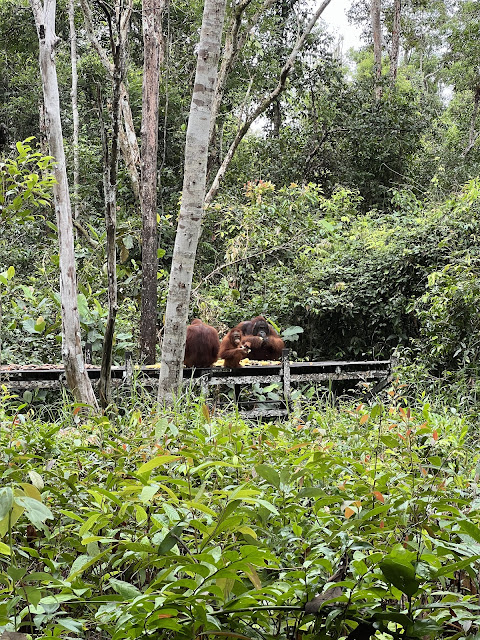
153,55
193,194
76,374
472,133
375,12
119,27
127,136
74,97
395,50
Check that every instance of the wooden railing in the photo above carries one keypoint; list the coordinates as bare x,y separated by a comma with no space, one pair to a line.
374,373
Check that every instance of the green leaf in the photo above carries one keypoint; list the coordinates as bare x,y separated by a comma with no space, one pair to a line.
5,549
128,241
269,474
147,493
34,595
401,575
471,529
456,566
16,573
12,518
170,540
76,626
35,511
6,501
156,462
83,562
125,589
389,441
376,411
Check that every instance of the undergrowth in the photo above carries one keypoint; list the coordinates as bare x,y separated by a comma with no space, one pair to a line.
342,521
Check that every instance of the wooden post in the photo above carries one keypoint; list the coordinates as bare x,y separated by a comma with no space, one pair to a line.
204,382
286,376
128,368
237,389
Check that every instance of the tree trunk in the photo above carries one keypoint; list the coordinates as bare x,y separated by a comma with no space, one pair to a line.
265,103
396,27
153,51
119,45
193,193
375,6
277,119
473,136
77,377
74,96
128,137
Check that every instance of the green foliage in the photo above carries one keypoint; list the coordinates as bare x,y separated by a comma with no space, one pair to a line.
25,183
450,319
188,524
347,278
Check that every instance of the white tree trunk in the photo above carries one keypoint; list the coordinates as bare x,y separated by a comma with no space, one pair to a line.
375,8
74,96
396,28
193,194
153,54
77,377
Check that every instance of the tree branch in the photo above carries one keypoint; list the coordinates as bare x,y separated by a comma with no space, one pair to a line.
265,103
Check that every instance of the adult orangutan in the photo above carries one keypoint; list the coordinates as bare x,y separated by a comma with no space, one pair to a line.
233,349
265,343
202,345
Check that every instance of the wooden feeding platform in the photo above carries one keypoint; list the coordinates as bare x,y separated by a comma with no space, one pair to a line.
376,373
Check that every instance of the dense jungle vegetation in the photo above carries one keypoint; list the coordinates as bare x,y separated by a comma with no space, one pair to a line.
350,217
353,218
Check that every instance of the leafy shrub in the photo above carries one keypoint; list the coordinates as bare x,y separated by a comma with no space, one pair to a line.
191,524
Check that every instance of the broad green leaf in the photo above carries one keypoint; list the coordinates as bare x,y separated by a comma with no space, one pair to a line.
16,573
470,529
6,501
171,512
35,511
17,511
389,441
31,491
125,589
148,492
229,508
76,626
170,540
88,524
456,566
5,549
269,474
36,480
156,462
376,411
83,562
34,595
201,507
401,575
140,514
